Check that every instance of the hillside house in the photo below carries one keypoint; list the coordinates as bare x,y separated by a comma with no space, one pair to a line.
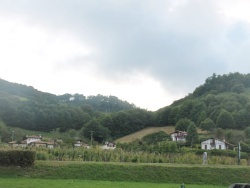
109,145
178,135
78,143
49,145
214,143
32,141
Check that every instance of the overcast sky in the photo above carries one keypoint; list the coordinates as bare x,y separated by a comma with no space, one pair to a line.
147,52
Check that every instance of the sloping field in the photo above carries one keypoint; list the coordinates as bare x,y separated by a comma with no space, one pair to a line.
140,134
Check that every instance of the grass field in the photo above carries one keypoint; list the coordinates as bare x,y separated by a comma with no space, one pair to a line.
72,183
92,174
140,134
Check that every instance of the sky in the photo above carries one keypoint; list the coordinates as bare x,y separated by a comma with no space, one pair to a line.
147,52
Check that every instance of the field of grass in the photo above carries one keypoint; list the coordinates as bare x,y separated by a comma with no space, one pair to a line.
74,183
155,174
140,134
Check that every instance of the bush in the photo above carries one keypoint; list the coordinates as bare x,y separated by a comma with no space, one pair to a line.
17,158
41,156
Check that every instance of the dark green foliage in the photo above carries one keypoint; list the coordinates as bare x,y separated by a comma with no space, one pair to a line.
198,112
234,136
162,116
182,124
244,148
225,120
242,118
219,93
186,108
238,88
127,122
168,147
174,115
25,107
230,153
192,135
5,134
247,132
207,124
201,117
28,108
107,121
17,158
99,132
154,138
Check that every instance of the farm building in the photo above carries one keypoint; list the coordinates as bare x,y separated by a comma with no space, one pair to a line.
214,143
178,135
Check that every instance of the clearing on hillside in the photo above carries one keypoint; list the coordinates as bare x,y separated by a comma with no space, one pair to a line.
140,134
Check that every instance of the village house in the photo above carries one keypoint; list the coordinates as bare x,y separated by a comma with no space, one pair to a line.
78,143
178,135
214,143
109,145
32,141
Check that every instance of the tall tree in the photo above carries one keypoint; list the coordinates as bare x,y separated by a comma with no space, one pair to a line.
207,124
225,120
192,135
95,130
182,124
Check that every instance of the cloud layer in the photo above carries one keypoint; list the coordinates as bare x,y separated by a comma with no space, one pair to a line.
147,52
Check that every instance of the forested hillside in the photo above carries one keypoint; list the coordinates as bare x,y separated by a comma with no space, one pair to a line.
25,107
221,102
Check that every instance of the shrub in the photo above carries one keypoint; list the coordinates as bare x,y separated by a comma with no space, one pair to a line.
17,158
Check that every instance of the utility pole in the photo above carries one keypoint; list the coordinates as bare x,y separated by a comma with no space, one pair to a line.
12,136
91,137
239,153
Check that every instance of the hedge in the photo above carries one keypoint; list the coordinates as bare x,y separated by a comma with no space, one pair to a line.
17,158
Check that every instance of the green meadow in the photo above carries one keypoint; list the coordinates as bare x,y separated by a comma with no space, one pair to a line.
62,174
74,183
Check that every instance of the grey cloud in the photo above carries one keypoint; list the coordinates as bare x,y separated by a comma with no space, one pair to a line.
181,46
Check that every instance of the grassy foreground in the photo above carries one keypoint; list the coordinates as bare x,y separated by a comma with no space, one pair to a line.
130,172
62,183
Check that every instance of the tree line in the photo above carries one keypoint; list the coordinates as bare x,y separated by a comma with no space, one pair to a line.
222,102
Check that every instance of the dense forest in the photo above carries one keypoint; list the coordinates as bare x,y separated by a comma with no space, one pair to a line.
223,101
109,117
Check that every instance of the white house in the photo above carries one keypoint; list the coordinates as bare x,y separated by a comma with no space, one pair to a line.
78,143
109,145
33,141
214,143
178,135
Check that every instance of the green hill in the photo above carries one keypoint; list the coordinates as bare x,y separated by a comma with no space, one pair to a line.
223,101
25,107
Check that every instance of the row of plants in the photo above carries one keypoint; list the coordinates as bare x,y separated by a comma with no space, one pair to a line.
182,156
